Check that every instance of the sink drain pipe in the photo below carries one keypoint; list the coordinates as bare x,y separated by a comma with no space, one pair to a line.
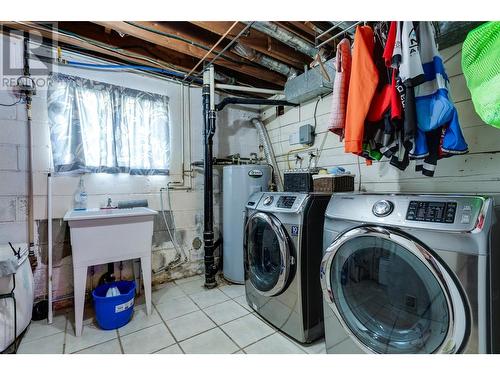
209,126
209,115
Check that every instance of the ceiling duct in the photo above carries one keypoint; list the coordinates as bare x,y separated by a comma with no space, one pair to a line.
261,59
311,84
286,37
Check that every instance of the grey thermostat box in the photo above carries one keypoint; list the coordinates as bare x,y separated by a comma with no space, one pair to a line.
306,134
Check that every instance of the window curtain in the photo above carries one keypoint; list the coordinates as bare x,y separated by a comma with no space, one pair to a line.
98,127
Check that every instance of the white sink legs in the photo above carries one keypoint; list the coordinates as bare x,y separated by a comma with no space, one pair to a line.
104,238
80,282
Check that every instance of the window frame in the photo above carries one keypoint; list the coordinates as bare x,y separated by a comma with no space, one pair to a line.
146,83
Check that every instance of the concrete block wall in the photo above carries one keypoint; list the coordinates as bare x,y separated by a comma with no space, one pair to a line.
13,175
475,172
233,136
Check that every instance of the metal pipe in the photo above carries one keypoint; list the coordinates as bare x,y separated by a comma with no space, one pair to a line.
97,44
252,101
49,247
286,37
212,87
28,98
248,89
266,61
338,34
208,217
335,25
268,150
211,49
231,43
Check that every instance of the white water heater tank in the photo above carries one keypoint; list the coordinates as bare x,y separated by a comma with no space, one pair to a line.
238,183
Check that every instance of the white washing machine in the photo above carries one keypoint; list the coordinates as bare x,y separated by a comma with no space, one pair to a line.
411,274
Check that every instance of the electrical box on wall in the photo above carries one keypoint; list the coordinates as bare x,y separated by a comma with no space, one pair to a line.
305,136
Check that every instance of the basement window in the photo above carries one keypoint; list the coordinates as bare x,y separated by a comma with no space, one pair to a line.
103,128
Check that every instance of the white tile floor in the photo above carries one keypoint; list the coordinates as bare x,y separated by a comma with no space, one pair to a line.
186,318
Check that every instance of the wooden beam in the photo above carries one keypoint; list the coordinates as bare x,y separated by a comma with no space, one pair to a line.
81,44
236,64
95,32
259,42
306,27
127,44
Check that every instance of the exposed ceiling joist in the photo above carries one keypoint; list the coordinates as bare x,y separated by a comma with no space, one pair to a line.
302,32
94,32
258,41
117,54
183,61
144,32
306,27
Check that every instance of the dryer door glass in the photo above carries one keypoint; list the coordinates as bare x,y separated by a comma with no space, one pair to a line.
387,297
268,257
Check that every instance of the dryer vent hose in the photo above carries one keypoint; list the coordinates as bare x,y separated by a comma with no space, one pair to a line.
268,150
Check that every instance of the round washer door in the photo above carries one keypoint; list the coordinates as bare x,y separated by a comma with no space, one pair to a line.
267,254
392,295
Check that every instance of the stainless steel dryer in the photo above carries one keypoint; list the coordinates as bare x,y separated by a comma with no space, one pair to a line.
411,274
283,250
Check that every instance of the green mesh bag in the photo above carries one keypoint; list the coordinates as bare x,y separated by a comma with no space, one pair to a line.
481,67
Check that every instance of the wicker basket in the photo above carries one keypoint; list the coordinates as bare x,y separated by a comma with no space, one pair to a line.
327,183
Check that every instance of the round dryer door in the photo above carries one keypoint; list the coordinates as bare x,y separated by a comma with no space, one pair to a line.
267,253
392,295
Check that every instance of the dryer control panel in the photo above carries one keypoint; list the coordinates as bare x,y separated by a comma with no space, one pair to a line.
433,212
279,202
286,201
448,212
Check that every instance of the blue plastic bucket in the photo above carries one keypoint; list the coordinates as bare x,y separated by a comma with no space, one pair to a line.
114,312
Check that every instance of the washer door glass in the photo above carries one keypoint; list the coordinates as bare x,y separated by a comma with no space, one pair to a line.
387,297
267,254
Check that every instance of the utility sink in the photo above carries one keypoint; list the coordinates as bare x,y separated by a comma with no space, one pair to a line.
100,236
96,213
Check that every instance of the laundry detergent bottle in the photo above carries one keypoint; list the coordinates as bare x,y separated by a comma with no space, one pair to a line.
80,197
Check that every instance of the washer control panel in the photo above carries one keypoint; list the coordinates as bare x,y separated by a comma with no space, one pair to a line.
268,200
286,201
447,212
278,202
432,211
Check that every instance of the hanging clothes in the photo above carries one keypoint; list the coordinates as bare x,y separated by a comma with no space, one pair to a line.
434,109
411,74
439,134
391,100
362,85
340,88
402,54
379,129
389,46
398,103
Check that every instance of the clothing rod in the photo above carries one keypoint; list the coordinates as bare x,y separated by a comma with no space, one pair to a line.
338,34
330,29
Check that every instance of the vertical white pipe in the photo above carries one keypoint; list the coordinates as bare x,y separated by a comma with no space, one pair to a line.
212,87
49,247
